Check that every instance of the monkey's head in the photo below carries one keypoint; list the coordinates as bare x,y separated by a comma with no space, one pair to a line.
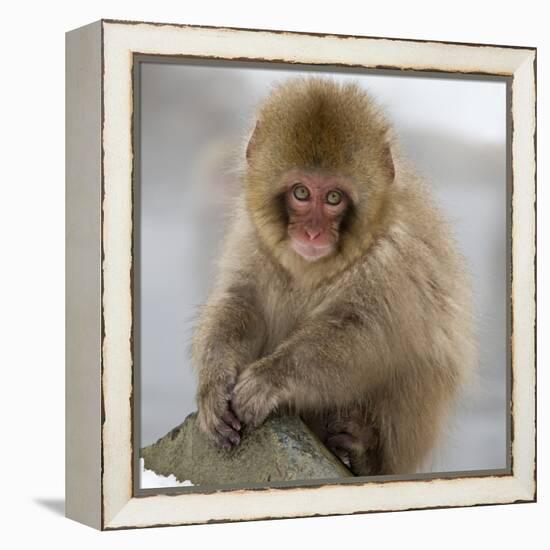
319,170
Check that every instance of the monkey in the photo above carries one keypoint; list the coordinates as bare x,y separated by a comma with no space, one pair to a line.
341,295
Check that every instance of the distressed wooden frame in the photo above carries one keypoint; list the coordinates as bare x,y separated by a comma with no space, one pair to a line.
99,389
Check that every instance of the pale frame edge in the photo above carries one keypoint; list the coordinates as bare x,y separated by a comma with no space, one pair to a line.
119,508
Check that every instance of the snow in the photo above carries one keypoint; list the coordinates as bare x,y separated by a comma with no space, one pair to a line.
150,479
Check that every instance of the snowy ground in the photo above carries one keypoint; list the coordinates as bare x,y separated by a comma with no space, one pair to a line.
151,480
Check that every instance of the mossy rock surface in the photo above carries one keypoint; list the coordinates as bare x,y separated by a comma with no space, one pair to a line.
282,449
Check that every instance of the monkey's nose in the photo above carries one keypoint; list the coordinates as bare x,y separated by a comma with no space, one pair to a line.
313,233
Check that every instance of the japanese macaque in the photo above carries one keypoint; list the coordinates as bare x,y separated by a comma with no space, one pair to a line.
341,296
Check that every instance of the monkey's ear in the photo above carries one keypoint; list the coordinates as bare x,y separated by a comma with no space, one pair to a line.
252,142
387,162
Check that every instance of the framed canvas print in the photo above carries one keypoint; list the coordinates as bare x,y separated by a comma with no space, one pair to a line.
300,274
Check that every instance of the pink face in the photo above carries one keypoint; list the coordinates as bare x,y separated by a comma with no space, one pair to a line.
316,205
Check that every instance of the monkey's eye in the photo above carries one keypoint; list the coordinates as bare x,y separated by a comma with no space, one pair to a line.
301,192
334,197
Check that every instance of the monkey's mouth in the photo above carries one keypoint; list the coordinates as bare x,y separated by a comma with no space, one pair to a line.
310,252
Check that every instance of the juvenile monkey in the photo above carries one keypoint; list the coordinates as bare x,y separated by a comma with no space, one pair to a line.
340,296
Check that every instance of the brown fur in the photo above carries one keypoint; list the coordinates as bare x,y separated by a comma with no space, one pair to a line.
370,344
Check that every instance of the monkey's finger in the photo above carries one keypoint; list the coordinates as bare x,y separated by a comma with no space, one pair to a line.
230,419
343,456
219,440
228,433
350,451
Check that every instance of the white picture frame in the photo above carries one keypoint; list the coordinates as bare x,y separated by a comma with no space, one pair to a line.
100,455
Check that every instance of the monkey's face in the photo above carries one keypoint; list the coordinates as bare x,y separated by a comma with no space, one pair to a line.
319,170
316,205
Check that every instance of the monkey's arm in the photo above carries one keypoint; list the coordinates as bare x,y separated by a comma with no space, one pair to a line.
331,360
229,336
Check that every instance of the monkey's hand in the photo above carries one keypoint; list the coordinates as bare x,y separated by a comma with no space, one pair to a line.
216,419
255,395
355,443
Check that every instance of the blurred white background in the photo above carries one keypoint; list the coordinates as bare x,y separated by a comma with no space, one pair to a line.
194,119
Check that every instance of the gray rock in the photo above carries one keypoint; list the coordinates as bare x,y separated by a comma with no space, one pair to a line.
282,449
